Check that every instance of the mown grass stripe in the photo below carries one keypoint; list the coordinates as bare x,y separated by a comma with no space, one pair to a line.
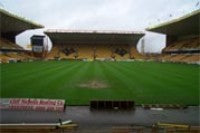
144,82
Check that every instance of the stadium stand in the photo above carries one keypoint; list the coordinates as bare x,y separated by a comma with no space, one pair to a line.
191,44
91,45
6,44
68,52
4,58
121,52
12,25
103,51
183,39
85,52
135,54
54,53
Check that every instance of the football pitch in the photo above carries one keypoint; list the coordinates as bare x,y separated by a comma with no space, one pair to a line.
79,82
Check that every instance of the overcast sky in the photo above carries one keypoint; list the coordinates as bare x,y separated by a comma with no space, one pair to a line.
100,15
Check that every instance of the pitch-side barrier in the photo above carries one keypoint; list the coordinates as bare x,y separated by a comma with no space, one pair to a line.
34,104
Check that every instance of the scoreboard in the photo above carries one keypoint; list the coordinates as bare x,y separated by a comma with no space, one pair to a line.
37,42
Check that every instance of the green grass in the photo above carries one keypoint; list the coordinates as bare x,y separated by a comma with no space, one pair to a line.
143,82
